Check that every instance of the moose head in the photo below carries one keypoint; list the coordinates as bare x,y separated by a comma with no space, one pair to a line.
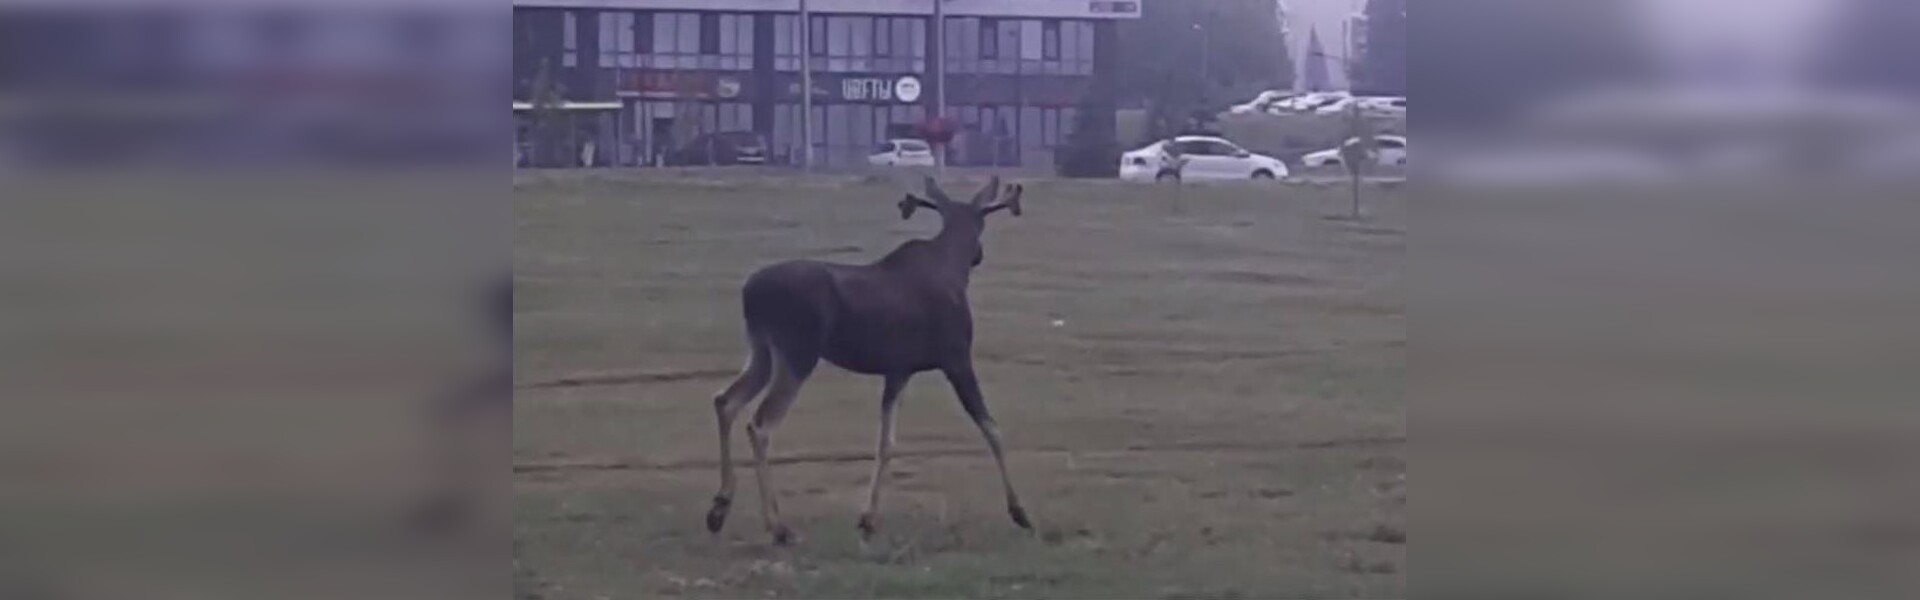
963,222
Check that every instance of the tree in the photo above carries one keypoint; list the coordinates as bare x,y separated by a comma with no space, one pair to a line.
1184,56
1358,153
549,128
1384,68
1318,79
1090,150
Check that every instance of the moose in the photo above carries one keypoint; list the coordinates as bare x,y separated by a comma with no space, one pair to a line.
901,315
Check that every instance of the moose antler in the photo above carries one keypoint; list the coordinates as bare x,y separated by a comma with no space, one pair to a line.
1010,199
911,202
987,195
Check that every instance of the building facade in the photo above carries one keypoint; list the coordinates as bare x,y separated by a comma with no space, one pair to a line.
642,77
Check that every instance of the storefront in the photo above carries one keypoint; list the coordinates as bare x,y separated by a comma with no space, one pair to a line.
1017,74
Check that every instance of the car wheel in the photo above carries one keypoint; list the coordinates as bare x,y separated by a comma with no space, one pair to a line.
1167,176
1263,174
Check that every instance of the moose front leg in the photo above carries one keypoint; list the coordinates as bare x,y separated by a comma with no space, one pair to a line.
968,389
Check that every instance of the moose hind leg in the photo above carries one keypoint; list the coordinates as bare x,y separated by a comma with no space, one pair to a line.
788,375
967,387
726,407
889,399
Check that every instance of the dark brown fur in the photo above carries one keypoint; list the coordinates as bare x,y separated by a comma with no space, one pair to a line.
903,314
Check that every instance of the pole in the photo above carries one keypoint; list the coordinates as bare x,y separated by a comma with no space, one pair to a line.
940,76
806,86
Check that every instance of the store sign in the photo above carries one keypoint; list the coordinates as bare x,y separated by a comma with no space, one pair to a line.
1109,7
681,85
907,88
876,89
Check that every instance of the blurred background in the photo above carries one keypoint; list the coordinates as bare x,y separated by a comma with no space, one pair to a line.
1665,296
1666,289
248,256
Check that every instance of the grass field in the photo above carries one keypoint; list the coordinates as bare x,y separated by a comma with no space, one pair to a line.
1202,396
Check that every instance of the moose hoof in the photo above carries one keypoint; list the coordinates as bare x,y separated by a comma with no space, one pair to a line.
782,536
717,517
1019,516
866,527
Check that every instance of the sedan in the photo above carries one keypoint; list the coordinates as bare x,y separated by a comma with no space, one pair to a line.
1200,158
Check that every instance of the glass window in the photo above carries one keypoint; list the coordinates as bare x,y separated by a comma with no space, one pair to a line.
1050,45
1086,49
1031,127
607,22
883,38
836,124
989,39
839,36
860,41
860,125
1050,127
689,33
786,42
663,33
1009,47
817,36
569,39
917,48
1030,40
903,38
1069,117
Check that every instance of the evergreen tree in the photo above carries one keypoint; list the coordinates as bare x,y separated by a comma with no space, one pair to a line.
1317,78
1091,150
1187,56
1384,68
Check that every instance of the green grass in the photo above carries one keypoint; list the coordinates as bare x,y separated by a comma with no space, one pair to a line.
1218,414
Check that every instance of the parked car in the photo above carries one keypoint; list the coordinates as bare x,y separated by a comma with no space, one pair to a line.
1393,151
902,152
724,148
1206,158
1310,102
1261,103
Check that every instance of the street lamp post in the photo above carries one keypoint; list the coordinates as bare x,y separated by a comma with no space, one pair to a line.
940,76
806,87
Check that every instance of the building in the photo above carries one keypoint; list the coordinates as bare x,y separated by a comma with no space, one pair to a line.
641,77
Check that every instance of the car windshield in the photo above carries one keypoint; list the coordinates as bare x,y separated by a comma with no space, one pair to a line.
913,146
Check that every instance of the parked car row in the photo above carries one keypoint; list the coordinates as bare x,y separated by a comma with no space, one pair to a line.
1279,102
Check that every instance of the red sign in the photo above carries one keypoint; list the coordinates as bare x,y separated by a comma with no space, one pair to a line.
681,85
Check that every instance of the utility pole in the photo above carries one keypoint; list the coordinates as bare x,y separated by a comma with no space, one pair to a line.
806,86
940,76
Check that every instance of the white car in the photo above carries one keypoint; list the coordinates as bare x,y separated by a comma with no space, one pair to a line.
1309,102
1206,158
1261,103
1393,151
902,153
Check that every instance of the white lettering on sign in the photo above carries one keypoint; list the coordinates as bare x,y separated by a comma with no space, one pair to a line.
864,89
